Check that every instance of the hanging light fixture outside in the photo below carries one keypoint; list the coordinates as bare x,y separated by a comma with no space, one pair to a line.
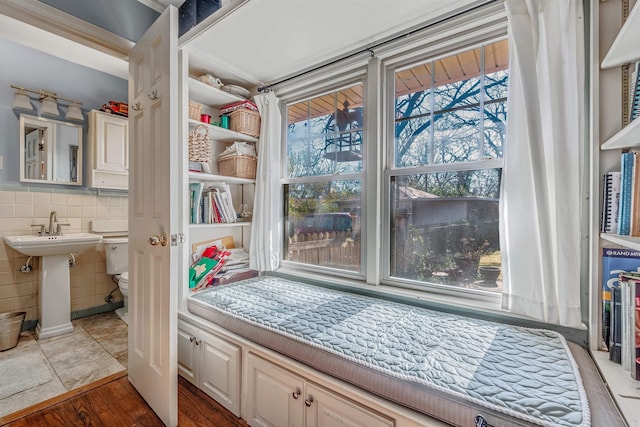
49,106
74,113
21,100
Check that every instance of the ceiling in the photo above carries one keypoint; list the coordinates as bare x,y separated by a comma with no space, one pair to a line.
261,40
268,40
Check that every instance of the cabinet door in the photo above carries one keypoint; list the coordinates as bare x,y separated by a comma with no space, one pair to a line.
274,395
112,143
188,352
220,371
327,409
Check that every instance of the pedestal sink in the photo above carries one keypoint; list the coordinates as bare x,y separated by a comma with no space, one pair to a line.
55,291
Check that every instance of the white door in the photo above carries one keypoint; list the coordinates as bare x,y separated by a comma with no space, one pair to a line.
153,205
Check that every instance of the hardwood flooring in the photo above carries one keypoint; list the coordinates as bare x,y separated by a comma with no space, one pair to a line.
113,401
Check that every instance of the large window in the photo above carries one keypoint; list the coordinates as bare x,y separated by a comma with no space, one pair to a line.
445,169
413,201
323,186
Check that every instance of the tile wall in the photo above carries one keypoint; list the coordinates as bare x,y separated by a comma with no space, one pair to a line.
22,206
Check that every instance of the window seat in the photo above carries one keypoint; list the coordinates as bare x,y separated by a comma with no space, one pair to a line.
446,366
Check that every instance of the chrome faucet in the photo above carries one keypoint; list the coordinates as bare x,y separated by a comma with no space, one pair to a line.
52,218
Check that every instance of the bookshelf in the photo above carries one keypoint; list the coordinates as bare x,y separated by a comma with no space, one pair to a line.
624,49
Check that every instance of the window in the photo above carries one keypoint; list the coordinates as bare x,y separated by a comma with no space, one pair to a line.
401,188
323,184
445,168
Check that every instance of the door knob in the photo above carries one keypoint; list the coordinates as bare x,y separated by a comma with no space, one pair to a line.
158,240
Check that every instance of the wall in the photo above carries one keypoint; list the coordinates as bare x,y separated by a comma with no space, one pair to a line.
22,205
19,208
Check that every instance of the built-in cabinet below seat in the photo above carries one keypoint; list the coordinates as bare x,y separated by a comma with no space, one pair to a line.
268,389
279,397
210,363
108,151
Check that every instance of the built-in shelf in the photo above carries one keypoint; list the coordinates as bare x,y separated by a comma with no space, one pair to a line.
224,224
626,241
208,177
625,47
221,134
628,136
209,95
624,389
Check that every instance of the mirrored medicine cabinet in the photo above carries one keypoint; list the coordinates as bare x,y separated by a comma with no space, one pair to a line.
50,151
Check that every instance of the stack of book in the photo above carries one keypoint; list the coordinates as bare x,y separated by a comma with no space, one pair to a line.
212,204
626,323
621,198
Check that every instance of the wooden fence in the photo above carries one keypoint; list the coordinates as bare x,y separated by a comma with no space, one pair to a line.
332,249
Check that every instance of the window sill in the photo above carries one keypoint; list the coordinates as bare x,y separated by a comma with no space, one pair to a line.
624,389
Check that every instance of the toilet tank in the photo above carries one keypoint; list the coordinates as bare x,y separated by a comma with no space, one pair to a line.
116,251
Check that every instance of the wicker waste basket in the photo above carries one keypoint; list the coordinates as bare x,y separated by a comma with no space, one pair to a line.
10,327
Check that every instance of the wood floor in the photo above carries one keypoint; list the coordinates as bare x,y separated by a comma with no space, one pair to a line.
115,402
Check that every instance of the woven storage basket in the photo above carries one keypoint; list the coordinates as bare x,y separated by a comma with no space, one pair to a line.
195,110
238,166
245,121
199,144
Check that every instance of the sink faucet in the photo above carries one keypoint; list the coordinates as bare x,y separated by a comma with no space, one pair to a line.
52,218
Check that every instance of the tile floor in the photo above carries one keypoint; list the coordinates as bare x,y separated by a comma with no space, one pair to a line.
37,370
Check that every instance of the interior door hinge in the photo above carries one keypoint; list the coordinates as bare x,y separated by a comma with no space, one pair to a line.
177,239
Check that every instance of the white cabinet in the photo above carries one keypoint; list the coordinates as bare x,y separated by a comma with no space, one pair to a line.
210,363
108,151
277,397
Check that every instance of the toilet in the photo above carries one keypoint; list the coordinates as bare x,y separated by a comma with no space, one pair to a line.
116,249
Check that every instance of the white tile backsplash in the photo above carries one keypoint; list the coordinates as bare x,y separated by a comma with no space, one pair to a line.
19,210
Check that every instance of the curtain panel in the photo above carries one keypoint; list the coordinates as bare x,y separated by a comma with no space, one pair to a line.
543,160
264,252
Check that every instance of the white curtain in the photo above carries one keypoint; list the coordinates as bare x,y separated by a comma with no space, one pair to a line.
264,250
541,204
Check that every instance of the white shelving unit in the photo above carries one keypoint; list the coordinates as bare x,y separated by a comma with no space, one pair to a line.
218,133
242,190
624,49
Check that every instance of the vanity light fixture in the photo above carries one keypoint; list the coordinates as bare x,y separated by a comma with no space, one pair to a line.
49,106
74,113
21,100
49,102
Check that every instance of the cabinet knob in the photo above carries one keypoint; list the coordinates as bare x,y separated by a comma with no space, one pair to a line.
308,401
136,106
153,95
296,393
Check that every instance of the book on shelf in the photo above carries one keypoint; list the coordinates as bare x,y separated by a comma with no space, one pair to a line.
195,193
610,202
634,227
615,338
626,193
630,313
634,92
614,262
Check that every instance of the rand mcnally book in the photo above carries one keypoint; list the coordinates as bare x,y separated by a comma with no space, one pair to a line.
614,262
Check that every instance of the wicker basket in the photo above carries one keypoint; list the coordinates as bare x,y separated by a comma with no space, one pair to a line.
245,121
238,166
199,144
195,110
